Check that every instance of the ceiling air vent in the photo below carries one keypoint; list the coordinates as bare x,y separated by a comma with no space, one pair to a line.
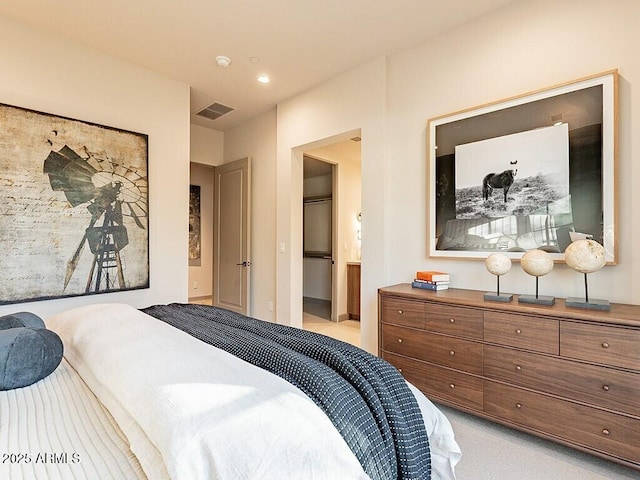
214,111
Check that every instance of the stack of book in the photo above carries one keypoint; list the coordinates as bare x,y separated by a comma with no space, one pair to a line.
431,280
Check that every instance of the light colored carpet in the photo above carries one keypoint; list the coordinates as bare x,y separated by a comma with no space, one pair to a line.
494,452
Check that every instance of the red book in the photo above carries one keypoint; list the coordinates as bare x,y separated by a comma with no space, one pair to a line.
432,276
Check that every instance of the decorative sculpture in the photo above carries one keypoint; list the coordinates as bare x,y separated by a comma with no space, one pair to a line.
586,256
498,264
537,263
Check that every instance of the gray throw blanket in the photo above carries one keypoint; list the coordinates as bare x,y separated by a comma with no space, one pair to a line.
365,397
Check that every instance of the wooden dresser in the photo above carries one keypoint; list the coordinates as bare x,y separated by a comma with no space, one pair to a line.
567,374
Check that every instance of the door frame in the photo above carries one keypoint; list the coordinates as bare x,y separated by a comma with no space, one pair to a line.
334,242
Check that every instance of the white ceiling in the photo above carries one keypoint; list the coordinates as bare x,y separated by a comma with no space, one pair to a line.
299,43
318,161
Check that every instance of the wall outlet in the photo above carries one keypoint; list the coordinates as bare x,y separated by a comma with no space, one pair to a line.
195,285
270,306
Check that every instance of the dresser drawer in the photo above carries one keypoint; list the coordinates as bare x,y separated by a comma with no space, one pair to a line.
522,331
460,321
601,386
584,426
439,383
403,312
449,352
568,375
605,344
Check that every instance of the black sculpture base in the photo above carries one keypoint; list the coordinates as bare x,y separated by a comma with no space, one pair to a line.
539,300
593,303
498,297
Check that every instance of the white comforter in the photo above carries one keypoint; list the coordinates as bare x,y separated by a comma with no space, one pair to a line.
191,411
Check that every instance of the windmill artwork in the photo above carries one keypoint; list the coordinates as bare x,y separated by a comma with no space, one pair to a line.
75,207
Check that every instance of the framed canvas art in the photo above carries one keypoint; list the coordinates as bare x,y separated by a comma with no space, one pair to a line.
534,171
194,225
74,200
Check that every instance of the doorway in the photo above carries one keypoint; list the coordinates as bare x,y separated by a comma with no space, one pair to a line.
343,156
317,237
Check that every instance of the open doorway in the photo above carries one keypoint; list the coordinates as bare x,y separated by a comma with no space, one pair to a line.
201,233
333,198
317,237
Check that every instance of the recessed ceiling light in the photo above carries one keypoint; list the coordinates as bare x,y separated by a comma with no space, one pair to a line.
223,61
264,79
254,59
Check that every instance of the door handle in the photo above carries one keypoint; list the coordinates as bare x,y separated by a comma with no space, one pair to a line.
244,264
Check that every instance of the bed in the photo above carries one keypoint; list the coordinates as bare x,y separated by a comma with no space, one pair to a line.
195,392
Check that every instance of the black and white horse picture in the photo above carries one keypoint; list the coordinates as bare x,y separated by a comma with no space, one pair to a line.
502,180
529,169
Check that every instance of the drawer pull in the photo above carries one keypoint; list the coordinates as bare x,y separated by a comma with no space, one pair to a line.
605,345
399,340
518,368
451,385
606,432
518,331
452,320
518,405
400,312
452,353
605,388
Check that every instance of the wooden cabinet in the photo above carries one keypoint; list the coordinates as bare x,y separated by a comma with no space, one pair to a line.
353,290
566,374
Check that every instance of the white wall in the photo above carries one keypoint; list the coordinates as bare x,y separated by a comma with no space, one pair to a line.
526,46
256,139
52,75
207,146
352,101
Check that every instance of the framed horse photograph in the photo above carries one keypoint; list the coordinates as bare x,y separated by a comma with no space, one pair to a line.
535,171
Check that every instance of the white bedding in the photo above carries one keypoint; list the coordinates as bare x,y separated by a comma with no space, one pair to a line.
56,429
203,413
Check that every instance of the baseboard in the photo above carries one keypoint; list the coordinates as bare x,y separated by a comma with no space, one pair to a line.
205,297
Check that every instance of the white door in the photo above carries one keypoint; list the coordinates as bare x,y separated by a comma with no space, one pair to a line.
231,245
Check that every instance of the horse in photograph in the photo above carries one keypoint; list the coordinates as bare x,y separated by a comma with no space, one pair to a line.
502,180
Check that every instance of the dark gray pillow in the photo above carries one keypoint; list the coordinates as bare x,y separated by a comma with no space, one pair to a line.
27,355
21,319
